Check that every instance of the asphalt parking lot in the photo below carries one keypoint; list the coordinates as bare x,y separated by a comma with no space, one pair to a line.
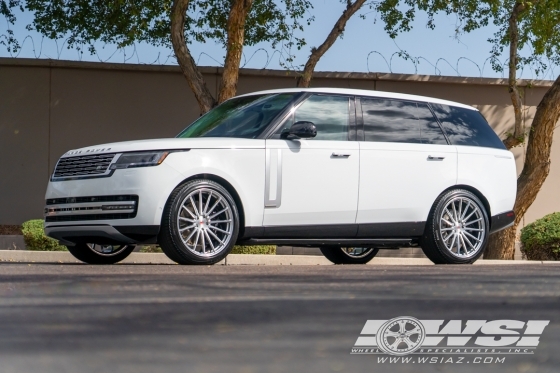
167,318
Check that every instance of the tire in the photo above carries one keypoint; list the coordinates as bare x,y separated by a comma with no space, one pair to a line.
100,254
188,236
342,255
457,229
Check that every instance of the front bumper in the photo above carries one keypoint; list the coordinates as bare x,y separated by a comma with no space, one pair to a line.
103,234
124,208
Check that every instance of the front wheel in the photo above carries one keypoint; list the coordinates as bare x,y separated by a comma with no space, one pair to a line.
457,229
92,253
349,255
200,223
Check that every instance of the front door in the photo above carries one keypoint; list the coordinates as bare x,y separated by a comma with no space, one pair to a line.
314,182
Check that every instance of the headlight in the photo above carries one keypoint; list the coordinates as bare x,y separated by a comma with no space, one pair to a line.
144,159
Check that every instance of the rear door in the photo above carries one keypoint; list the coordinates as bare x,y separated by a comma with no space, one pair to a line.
405,163
313,183
483,161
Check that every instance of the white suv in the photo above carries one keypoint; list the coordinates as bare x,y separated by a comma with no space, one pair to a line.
349,171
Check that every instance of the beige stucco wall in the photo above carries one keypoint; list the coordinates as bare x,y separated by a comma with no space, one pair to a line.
48,107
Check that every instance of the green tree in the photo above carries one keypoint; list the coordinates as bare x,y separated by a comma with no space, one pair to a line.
521,25
172,23
232,23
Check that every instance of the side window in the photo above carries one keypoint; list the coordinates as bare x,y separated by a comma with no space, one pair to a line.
388,120
330,114
466,127
430,131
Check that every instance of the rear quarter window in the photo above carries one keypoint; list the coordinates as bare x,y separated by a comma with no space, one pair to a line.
466,127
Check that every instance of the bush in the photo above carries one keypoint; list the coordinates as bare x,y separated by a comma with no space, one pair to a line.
35,239
541,239
151,249
264,249
271,250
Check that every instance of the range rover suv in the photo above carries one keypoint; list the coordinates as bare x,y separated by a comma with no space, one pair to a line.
349,171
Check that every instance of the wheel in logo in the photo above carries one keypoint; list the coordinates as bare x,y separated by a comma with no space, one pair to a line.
401,336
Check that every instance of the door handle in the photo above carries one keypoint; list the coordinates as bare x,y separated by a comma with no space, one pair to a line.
435,158
340,155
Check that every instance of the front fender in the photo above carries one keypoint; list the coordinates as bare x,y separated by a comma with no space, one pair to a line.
244,169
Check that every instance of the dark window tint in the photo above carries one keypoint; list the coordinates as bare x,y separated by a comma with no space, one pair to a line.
329,114
388,120
243,117
466,127
430,131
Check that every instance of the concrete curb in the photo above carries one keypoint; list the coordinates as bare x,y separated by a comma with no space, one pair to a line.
18,256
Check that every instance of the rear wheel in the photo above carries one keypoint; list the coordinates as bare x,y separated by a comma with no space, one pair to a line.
457,229
349,255
92,253
200,223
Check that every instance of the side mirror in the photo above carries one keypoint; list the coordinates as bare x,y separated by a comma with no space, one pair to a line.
301,130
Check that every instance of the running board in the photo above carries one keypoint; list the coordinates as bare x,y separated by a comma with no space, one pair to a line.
381,243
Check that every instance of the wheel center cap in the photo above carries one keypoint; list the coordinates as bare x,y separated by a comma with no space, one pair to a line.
202,222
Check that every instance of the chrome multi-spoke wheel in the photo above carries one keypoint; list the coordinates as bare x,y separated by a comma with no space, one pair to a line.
205,222
462,227
200,223
93,253
357,252
457,229
349,255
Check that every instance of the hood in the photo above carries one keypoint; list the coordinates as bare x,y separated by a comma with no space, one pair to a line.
169,144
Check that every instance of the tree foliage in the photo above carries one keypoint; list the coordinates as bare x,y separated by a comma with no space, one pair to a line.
527,30
541,239
125,22
7,8
539,33
173,23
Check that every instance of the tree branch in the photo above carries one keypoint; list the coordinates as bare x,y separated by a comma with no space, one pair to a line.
316,53
518,135
194,77
535,170
235,40
539,145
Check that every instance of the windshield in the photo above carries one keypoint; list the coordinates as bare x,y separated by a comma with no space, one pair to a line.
243,117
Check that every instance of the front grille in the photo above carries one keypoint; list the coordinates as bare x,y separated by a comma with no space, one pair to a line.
83,166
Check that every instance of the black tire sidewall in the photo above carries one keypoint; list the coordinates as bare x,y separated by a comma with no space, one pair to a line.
447,257
336,256
85,254
178,252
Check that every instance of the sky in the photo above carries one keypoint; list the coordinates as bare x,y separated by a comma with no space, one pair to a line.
364,47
